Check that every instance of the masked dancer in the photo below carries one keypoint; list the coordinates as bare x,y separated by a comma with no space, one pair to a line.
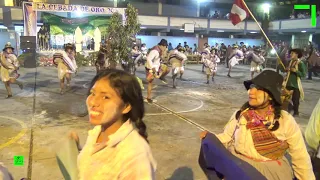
66,64
177,59
9,66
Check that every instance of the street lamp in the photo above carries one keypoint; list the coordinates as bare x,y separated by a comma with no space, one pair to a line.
266,8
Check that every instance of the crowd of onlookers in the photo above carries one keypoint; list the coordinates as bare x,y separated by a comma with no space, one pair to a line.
302,15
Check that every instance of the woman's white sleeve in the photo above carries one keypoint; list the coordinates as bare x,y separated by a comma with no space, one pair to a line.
226,135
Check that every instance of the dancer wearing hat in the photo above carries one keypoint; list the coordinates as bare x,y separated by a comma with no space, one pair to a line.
66,64
177,59
211,64
313,62
234,58
153,66
295,71
205,54
258,135
256,61
102,61
9,66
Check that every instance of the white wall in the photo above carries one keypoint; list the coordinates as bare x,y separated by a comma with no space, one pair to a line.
227,41
151,41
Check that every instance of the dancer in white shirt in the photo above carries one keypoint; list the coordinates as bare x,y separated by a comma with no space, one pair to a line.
153,66
205,54
117,147
211,65
234,58
177,59
256,61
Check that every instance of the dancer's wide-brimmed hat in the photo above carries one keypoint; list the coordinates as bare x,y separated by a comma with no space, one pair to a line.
69,46
163,42
270,81
8,45
181,49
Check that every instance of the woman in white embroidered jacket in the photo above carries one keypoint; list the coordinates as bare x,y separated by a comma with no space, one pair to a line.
260,134
117,147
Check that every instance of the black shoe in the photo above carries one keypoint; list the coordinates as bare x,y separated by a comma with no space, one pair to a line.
207,82
21,86
174,87
229,76
163,80
295,115
150,100
9,96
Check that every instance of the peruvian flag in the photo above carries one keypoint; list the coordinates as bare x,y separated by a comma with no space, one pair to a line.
239,12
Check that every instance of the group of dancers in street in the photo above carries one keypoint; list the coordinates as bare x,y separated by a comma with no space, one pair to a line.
257,136
157,61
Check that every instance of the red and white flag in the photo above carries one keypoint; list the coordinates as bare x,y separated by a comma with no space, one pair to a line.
239,12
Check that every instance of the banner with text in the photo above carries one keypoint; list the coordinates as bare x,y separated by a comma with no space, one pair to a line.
29,20
76,8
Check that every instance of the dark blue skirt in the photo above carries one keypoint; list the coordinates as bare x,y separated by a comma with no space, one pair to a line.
217,162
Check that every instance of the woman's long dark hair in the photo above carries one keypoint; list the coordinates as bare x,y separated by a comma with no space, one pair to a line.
128,88
273,103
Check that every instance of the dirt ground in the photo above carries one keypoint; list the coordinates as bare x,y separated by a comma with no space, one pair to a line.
33,122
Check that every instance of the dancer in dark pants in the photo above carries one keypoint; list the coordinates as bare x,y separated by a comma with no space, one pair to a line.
295,71
313,63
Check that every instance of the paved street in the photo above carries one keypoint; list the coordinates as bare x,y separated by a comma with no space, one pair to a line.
37,118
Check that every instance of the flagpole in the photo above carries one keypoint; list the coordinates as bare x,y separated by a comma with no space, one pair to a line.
279,59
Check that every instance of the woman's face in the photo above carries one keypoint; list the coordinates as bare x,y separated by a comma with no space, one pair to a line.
258,97
69,50
104,104
293,55
9,50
